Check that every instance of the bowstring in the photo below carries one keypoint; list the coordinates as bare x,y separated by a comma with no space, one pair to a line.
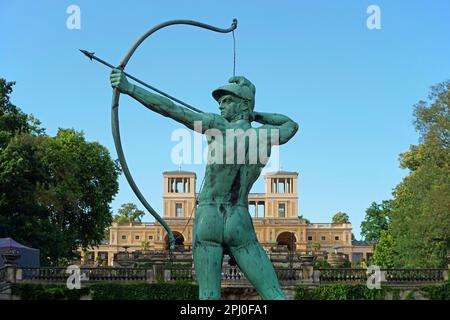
234,54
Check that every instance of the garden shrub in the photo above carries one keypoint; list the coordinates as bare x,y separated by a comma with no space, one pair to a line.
155,291
31,291
339,292
437,292
108,291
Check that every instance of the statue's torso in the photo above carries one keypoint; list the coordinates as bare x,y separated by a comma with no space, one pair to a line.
231,181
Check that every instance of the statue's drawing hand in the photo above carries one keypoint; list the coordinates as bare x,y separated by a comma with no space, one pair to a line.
119,81
251,116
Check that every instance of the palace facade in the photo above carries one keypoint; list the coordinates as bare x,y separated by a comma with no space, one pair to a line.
275,217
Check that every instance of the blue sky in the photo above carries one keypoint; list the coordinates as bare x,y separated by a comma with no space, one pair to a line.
351,89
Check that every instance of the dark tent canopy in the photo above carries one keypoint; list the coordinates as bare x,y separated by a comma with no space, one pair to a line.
29,257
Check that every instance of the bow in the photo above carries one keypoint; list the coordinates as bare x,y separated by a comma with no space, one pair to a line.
115,109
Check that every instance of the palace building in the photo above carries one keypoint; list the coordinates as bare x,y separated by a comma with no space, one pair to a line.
275,217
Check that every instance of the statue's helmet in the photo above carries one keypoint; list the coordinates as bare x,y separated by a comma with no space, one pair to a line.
238,86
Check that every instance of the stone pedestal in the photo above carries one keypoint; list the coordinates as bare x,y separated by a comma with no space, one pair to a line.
158,271
336,260
307,269
150,275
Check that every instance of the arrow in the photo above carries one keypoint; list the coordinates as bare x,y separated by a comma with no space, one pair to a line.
91,56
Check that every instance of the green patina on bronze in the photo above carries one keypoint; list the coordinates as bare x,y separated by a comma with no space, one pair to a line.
222,219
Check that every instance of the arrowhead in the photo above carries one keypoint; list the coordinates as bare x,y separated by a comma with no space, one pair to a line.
88,54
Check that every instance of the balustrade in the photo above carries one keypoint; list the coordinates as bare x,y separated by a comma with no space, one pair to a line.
230,275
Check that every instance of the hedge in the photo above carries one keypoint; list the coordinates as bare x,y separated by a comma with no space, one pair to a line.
361,292
156,291
32,291
108,291
187,291
440,292
339,292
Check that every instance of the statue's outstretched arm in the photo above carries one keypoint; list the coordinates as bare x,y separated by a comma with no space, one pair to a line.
285,125
161,104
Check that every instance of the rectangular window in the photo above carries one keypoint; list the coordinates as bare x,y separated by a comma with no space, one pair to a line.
124,237
178,209
252,209
186,186
309,238
323,238
137,237
336,238
150,237
261,209
282,186
178,185
281,210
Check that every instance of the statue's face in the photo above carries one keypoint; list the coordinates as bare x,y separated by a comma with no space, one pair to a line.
232,107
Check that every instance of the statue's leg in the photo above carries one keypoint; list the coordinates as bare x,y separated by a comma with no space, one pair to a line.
239,235
208,251
208,268
253,261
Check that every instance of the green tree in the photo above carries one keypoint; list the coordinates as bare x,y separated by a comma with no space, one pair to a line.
340,217
129,213
376,220
82,181
420,222
54,191
21,172
383,255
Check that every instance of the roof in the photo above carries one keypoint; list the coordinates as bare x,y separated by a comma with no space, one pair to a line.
363,243
281,172
11,243
273,173
180,172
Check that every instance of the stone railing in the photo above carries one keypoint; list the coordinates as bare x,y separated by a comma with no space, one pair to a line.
89,274
175,273
281,221
116,274
387,276
45,274
228,275
231,276
340,275
329,225
401,276
289,276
